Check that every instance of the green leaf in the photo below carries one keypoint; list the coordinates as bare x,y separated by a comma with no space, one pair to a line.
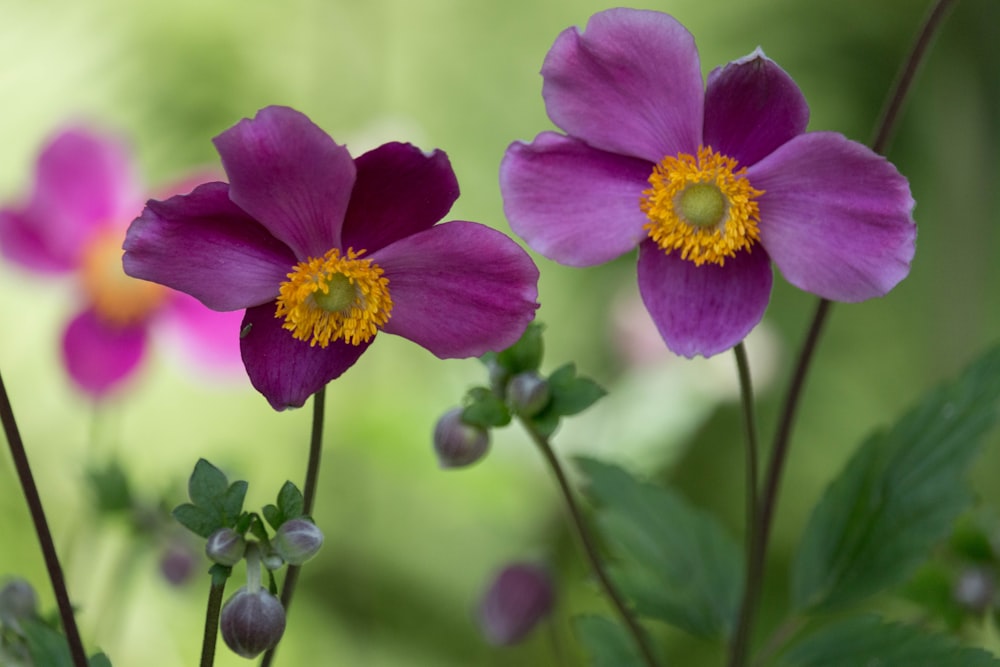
606,643
257,528
866,640
676,562
110,487
46,645
290,502
196,519
232,502
572,394
485,409
526,353
898,495
99,660
207,483
273,516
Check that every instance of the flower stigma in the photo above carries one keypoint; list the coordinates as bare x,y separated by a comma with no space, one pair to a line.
334,298
702,206
118,299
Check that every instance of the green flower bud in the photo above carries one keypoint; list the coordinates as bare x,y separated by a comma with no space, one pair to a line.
252,623
528,393
297,540
458,444
225,547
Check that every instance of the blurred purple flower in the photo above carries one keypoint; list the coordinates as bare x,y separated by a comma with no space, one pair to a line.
520,596
710,183
323,251
83,197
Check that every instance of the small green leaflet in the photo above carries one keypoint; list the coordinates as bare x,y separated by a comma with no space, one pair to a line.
215,503
606,643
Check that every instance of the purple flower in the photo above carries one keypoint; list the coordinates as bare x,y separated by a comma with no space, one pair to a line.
519,598
710,183
323,251
83,197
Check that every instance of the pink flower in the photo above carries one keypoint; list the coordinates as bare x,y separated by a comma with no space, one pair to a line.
74,222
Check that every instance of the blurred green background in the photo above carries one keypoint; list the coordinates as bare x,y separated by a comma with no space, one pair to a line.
409,547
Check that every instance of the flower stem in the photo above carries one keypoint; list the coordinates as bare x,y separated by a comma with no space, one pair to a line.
212,611
589,547
779,451
308,499
34,501
752,448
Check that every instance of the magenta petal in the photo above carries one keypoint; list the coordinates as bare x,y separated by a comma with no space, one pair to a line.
703,309
204,245
572,203
751,107
211,339
459,289
835,217
630,84
285,370
99,356
83,181
399,191
291,176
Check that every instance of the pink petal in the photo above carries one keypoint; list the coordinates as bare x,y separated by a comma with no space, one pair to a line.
211,339
835,217
459,289
99,356
630,84
751,108
285,370
703,310
399,191
290,176
572,203
206,246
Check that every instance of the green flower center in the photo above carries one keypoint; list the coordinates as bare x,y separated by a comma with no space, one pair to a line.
702,204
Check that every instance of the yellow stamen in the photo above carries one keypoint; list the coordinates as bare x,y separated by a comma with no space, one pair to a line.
333,298
704,207
118,299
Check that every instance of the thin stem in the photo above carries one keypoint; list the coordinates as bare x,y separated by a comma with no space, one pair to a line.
34,501
589,547
212,612
308,499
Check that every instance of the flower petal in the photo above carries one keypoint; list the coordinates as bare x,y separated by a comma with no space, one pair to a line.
752,106
204,245
572,203
285,370
630,84
399,191
290,176
210,339
704,309
83,181
99,356
459,289
835,217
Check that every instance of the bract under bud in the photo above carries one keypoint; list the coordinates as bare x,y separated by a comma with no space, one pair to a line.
297,540
17,601
521,595
252,623
528,393
458,444
225,547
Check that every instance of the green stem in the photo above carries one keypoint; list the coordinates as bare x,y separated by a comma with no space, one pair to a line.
212,612
34,501
308,499
589,547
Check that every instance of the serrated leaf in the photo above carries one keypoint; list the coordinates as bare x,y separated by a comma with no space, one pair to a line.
606,643
196,519
232,502
526,353
207,483
898,495
572,394
290,501
485,409
866,640
676,562
273,516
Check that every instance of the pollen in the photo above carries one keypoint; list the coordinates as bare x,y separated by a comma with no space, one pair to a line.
702,207
118,299
335,297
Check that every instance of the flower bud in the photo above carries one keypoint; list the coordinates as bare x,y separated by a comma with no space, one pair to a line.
520,597
297,540
225,547
975,589
17,601
252,623
528,393
177,562
458,444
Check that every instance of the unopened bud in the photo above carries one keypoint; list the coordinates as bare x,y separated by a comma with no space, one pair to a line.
975,589
297,540
177,562
458,444
528,393
225,547
252,623
520,597
17,602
